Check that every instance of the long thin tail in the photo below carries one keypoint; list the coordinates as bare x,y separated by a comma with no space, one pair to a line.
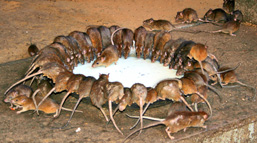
114,33
139,118
20,81
146,117
151,125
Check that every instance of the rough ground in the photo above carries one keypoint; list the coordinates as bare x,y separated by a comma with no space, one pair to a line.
42,20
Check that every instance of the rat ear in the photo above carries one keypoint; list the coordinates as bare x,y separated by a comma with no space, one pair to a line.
180,13
102,58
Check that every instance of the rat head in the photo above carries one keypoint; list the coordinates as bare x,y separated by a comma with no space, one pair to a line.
119,49
126,52
147,23
155,55
237,15
87,54
179,16
99,61
204,115
208,14
139,51
167,61
11,95
19,100
104,76
146,52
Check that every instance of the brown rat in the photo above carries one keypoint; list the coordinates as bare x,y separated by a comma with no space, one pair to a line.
180,55
190,87
229,27
49,106
105,36
108,56
177,121
127,36
199,53
139,37
150,99
114,92
84,43
171,89
96,40
19,90
188,15
116,38
149,40
83,92
139,93
160,24
63,51
216,15
171,46
229,5
72,86
200,79
98,94
158,51
230,77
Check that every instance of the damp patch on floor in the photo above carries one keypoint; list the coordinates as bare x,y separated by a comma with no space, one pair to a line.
129,71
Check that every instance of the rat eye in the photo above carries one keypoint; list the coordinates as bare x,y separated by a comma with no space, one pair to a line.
97,63
16,100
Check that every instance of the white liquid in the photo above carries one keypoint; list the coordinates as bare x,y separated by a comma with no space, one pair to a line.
129,71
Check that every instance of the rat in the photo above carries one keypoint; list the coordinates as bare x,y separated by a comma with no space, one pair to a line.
177,121
98,94
199,80
139,37
139,93
188,15
96,40
72,87
84,43
160,24
171,89
229,27
105,36
199,53
229,5
49,106
230,77
115,92
216,15
150,99
108,56
83,92
19,90
190,87
116,38
171,46
158,50
127,36
148,45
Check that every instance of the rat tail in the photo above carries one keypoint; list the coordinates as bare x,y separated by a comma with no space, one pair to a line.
150,125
